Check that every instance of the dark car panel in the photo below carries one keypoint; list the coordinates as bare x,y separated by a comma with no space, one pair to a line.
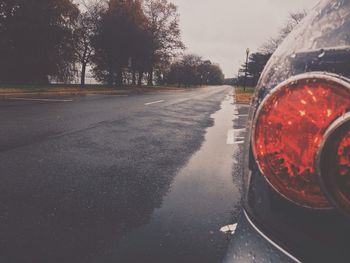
251,245
320,43
331,60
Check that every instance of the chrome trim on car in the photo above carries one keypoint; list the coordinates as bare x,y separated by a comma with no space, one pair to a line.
338,123
329,77
269,240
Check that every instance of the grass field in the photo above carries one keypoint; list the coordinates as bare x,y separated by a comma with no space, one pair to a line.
246,96
74,88
4,88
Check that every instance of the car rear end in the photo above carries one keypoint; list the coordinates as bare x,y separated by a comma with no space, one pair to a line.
297,161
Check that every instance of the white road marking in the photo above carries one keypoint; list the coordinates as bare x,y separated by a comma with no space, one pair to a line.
235,110
154,102
229,229
237,116
46,100
240,130
232,139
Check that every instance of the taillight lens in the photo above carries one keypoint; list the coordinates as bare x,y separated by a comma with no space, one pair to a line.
334,163
288,129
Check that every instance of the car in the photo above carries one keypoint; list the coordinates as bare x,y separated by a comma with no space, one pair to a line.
297,148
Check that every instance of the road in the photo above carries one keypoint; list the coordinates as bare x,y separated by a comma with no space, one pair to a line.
146,177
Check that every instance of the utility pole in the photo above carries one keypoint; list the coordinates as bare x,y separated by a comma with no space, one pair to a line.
239,69
237,83
246,69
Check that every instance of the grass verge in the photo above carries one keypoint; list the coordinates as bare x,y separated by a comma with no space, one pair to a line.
244,97
78,88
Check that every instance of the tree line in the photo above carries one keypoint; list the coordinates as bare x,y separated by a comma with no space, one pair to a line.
193,70
258,60
121,41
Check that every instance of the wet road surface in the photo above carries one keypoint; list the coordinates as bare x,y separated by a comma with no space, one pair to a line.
142,178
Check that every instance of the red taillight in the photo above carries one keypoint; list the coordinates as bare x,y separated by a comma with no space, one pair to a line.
288,129
334,163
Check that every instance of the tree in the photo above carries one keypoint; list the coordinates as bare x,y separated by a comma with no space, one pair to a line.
140,52
116,38
192,70
83,33
36,40
84,30
190,64
256,64
164,31
257,61
293,20
210,74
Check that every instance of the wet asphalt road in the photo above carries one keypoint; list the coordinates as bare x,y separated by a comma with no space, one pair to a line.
139,178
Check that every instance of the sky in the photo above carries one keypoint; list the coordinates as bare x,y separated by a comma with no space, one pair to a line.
222,30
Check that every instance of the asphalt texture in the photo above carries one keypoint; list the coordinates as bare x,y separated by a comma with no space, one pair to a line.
140,178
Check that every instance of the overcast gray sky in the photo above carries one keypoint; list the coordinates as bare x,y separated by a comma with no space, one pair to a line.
221,30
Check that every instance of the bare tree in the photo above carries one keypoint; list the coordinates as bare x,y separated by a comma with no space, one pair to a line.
83,33
293,20
82,42
258,60
163,27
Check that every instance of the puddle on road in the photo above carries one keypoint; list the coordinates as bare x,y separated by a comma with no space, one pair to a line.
202,199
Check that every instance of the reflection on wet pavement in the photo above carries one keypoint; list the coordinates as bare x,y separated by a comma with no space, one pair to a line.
202,199
98,185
